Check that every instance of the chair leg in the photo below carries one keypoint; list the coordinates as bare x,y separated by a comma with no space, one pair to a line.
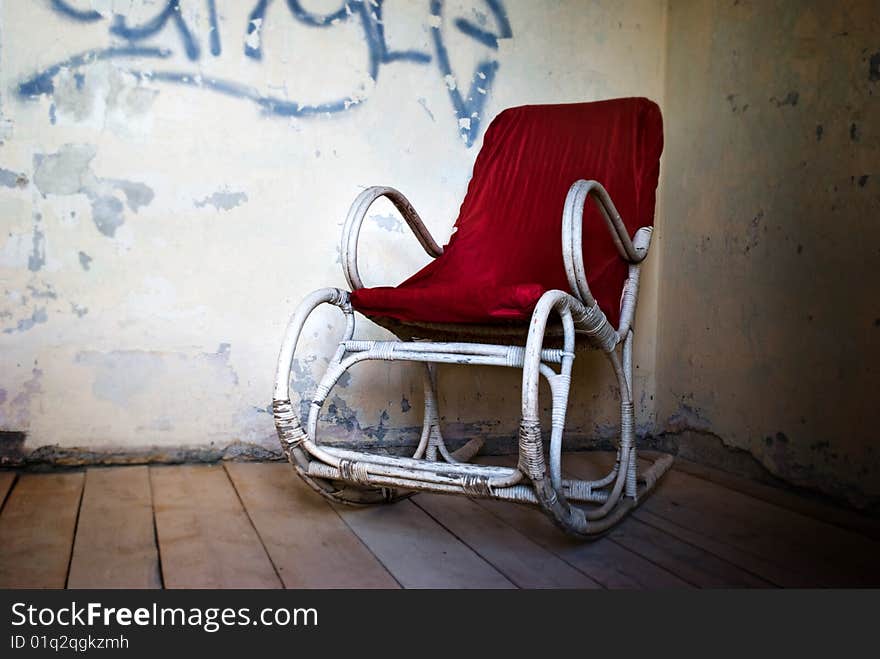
554,493
432,443
288,423
356,477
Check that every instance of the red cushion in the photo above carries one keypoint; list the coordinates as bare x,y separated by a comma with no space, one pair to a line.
507,247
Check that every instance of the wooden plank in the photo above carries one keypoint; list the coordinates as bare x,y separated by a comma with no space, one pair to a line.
115,543
605,561
773,573
417,550
598,462
37,528
309,544
7,478
811,507
205,537
778,544
520,559
692,563
830,555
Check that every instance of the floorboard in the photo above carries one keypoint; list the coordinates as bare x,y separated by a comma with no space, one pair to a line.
115,541
690,562
418,551
309,544
37,527
594,463
605,561
768,570
516,556
256,525
828,555
7,478
624,547
206,539
801,503
781,546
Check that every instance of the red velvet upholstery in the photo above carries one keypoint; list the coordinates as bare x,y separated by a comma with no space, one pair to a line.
507,247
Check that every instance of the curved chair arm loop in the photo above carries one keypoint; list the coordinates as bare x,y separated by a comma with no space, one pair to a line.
354,220
632,251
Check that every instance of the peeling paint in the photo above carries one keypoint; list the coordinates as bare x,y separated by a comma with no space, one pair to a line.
68,172
37,257
16,414
222,200
388,222
341,414
101,93
85,260
107,214
46,293
344,380
120,376
136,194
38,317
10,179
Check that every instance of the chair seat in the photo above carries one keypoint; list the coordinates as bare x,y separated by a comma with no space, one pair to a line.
465,308
450,302
514,333
506,250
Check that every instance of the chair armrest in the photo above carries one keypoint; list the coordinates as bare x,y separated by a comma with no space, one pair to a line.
631,251
352,229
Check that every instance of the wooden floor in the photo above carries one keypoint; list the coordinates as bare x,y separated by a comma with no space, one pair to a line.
256,525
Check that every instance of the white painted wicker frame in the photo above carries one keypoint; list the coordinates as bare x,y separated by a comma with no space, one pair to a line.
357,477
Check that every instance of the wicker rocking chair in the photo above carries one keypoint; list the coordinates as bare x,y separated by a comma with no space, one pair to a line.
516,286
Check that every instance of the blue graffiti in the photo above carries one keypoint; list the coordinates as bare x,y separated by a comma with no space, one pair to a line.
470,108
484,36
155,25
44,82
256,18
371,20
215,28
369,13
87,16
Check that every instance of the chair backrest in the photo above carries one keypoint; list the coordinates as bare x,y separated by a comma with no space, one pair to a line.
509,227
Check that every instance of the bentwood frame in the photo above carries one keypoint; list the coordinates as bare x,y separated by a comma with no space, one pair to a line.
357,477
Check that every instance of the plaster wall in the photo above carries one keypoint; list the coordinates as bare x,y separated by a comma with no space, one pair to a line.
769,336
175,176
